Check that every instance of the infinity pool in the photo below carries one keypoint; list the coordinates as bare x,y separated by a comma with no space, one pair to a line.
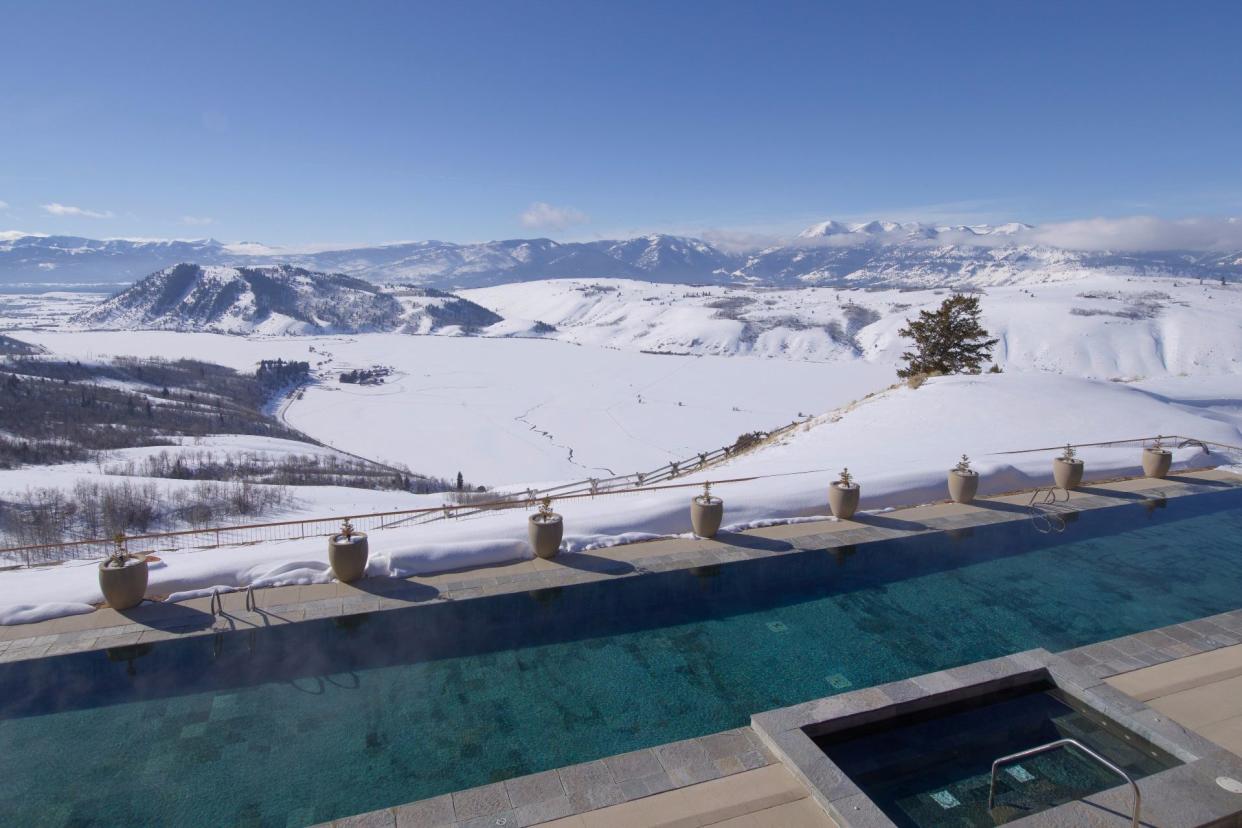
306,722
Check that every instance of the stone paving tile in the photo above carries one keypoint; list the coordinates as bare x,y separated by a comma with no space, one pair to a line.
500,818
373,819
646,785
436,812
543,811
694,774
577,778
756,758
482,801
635,765
681,754
728,743
537,787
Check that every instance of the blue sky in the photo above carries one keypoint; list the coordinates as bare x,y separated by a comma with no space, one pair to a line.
340,123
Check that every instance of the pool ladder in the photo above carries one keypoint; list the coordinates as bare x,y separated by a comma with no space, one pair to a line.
1045,515
1060,743
217,602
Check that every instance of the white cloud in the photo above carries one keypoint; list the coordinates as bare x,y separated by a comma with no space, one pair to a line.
57,209
4,205
543,216
197,221
1142,233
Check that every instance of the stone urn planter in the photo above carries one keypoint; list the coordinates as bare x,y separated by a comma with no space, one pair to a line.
1067,469
963,481
706,513
347,553
546,529
1156,460
123,578
843,496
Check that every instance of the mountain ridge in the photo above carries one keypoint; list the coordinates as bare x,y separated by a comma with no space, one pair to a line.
830,253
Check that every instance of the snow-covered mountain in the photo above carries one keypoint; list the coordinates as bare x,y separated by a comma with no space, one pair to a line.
875,254
281,299
428,310
71,259
221,299
661,258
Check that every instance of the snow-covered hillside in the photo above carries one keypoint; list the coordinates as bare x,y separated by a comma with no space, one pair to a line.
239,300
427,310
1098,325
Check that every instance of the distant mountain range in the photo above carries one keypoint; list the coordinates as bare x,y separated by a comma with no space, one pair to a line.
872,254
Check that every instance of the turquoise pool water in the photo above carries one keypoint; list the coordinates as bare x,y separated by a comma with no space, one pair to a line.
307,722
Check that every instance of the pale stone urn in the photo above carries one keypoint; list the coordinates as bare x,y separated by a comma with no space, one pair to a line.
546,529
1067,469
123,580
963,485
1156,461
963,481
843,495
347,553
706,515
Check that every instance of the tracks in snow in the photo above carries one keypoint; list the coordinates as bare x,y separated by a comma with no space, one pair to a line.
522,418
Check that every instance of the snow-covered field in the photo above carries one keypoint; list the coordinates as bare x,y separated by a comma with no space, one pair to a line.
1087,357
505,411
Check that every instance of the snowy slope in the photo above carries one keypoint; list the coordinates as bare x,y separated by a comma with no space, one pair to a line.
1097,325
268,300
427,310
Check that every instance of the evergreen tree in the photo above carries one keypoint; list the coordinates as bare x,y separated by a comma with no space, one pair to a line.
948,340
461,482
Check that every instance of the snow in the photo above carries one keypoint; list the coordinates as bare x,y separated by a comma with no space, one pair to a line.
1087,357
899,444
1092,325
510,411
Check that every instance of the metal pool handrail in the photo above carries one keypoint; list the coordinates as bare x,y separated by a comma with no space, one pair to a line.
1059,743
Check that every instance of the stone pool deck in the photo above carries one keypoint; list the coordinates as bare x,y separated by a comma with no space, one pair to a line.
157,621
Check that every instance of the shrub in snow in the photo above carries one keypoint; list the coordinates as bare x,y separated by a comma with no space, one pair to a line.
948,340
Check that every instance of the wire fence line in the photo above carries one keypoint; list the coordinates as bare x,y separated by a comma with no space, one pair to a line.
638,483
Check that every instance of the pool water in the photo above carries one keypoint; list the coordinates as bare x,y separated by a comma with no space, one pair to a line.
307,722
933,770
